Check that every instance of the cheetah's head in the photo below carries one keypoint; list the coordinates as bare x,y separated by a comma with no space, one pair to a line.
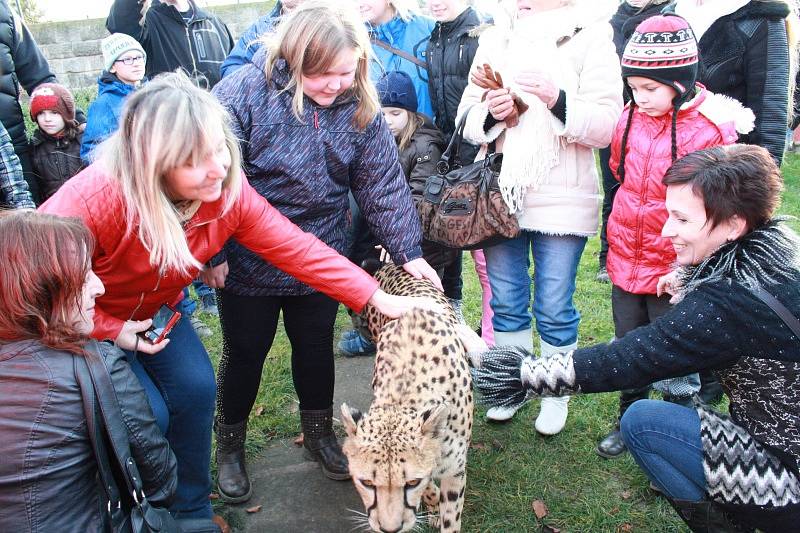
393,452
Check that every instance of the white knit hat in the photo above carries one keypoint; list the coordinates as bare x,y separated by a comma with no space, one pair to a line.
117,44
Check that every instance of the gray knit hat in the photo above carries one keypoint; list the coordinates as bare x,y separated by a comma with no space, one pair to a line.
117,44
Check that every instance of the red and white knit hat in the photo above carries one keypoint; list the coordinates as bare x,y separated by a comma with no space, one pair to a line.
663,48
53,97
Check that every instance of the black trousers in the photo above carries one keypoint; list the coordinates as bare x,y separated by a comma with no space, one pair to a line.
630,312
610,186
249,324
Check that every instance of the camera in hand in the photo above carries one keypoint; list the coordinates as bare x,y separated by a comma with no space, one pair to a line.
163,322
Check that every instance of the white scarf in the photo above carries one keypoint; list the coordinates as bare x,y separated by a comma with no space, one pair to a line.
531,148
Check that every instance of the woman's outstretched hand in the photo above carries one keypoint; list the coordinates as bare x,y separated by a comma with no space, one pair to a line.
128,340
393,306
420,269
668,284
214,277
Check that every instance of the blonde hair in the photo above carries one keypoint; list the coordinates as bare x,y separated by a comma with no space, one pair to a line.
414,122
405,9
167,124
310,40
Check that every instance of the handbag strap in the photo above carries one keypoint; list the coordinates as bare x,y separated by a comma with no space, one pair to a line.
115,428
451,157
405,55
788,318
90,410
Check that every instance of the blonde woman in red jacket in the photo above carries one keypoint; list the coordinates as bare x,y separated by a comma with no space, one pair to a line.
669,116
163,198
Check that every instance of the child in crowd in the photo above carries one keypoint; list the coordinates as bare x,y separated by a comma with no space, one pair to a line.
669,115
56,143
124,60
420,146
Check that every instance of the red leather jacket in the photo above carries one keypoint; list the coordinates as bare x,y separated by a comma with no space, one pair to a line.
637,254
135,289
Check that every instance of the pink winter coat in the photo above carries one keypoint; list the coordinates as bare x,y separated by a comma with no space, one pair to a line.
637,254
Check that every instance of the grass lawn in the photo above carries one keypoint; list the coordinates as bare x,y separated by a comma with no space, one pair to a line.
511,465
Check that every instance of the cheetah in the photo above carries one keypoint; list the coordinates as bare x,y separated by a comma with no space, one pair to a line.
419,425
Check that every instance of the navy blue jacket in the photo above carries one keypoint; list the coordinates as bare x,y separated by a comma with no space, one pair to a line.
103,116
305,170
249,43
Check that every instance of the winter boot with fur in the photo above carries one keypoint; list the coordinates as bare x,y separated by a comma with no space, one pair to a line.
553,411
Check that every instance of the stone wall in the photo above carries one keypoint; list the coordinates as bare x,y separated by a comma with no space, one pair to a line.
73,47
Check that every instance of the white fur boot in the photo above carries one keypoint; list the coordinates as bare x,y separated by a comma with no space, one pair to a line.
523,339
553,412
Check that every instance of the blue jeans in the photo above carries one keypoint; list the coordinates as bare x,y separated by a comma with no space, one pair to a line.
180,387
555,266
189,306
664,439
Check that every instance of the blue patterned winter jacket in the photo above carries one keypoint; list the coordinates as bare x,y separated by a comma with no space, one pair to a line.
305,169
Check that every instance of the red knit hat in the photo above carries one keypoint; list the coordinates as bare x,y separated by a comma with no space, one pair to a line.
663,48
53,97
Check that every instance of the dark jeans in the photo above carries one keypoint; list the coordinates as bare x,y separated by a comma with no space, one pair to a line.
610,186
179,383
451,279
630,312
664,440
249,324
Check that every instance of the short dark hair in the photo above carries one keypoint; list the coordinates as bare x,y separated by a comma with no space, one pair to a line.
737,179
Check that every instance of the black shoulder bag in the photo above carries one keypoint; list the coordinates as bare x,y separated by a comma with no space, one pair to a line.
129,512
462,206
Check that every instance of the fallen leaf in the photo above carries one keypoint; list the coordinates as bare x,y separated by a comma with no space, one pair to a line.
539,508
254,509
259,410
625,528
213,496
626,495
299,440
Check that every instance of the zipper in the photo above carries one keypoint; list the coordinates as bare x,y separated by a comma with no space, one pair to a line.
316,121
460,51
189,40
141,297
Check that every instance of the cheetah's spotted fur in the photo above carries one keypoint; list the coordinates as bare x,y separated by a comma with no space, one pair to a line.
419,425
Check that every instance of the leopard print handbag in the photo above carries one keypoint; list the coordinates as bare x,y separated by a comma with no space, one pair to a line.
462,206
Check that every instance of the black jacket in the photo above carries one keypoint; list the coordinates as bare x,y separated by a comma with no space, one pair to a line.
451,49
47,466
55,160
745,55
199,47
419,160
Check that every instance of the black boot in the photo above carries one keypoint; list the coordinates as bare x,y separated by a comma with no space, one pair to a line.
710,388
705,517
320,444
611,446
232,481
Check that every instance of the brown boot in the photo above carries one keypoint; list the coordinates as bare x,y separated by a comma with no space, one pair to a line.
232,481
320,444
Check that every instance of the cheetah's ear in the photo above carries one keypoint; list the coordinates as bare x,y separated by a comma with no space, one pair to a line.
433,419
350,419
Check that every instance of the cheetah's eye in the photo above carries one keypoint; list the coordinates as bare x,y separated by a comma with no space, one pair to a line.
413,482
367,483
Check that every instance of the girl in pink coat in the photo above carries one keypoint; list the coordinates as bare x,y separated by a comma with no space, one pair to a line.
669,116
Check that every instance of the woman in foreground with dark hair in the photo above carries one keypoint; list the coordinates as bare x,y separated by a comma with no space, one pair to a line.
48,468
720,472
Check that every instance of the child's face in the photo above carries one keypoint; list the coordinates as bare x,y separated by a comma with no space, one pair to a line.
324,88
396,118
652,97
50,122
129,73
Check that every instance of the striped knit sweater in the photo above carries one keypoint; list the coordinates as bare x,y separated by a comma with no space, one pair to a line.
306,168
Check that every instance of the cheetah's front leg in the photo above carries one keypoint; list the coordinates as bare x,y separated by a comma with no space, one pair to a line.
451,502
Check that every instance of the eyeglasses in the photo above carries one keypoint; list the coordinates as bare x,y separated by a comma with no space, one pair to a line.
130,60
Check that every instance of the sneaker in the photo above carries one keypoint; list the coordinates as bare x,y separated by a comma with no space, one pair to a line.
501,414
200,327
552,415
355,346
348,334
208,304
602,275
